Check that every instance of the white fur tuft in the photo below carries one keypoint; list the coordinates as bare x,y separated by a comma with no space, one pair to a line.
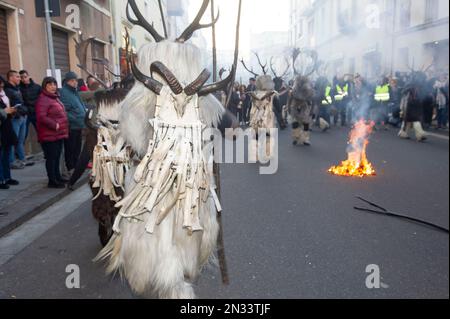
166,263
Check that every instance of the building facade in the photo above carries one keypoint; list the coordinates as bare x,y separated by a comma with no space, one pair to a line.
152,11
25,37
373,37
268,45
24,45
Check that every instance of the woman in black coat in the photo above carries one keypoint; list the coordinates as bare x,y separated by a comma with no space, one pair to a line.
7,139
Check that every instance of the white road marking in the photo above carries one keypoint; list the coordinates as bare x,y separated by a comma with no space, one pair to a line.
20,238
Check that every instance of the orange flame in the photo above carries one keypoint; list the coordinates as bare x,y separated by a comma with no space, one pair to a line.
357,164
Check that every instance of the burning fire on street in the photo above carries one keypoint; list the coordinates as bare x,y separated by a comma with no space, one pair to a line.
357,164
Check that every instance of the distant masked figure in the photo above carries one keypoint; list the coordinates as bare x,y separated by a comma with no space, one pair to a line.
412,109
300,108
262,115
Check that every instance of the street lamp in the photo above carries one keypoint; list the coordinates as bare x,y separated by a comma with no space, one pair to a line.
51,51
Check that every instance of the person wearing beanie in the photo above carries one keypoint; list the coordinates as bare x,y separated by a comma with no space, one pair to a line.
76,113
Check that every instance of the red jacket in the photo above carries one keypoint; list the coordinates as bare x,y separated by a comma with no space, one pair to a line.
49,112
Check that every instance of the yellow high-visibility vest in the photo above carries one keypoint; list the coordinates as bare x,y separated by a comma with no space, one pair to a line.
382,93
328,100
341,93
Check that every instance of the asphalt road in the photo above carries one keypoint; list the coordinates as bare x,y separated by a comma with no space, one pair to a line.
294,234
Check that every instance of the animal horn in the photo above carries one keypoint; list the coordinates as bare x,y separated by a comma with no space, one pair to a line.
149,82
168,76
196,86
218,86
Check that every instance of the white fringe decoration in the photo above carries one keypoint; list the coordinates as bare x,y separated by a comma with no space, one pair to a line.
111,161
175,174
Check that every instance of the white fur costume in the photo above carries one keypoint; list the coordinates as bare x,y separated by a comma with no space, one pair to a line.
416,126
167,230
262,116
111,161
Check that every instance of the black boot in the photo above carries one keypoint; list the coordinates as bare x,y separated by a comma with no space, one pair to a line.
56,185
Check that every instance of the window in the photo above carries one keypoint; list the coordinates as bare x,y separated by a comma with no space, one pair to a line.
4,44
403,57
311,27
351,65
405,14
98,56
431,10
300,29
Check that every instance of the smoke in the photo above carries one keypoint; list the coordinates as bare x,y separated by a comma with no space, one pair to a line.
375,38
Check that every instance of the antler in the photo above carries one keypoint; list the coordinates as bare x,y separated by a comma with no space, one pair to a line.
250,71
314,56
322,68
273,70
196,25
295,54
221,72
263,67
271,67
141,21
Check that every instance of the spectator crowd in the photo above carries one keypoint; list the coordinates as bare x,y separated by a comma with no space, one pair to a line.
56,114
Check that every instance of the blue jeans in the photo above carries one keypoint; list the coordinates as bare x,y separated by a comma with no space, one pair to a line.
20,128
442,117
5,169
30,120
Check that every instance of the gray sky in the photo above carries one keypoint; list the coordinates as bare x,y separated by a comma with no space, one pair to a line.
257,16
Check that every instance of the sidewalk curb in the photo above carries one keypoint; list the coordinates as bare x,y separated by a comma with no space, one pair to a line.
40,208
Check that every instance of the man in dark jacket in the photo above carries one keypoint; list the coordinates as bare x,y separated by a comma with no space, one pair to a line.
248,99
234,100
19,122
76,113
30,93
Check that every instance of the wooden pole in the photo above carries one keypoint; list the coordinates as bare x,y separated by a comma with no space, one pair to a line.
236,54
214,44
163,19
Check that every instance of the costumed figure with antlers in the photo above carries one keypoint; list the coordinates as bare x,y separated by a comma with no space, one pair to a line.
300,102
322,102
262,115
283,90
411,107
167,228
103,146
